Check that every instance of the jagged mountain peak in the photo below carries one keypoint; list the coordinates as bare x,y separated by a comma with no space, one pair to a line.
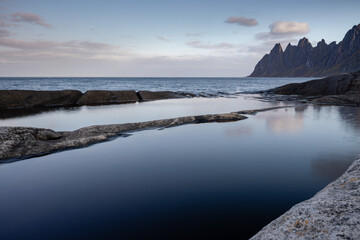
304,42
276,49
321,43
304,60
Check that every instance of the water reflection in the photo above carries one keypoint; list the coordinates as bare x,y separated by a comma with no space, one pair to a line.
212,181
331,166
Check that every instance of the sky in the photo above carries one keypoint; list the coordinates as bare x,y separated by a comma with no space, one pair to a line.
159,38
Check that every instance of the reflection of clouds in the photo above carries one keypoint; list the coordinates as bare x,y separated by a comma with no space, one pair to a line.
289,124
331,166
279,121
242,130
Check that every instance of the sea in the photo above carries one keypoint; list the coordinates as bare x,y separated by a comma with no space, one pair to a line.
201,181
192,85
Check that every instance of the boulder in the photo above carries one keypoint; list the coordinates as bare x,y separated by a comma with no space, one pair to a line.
334,85
10,99
148,95
100,97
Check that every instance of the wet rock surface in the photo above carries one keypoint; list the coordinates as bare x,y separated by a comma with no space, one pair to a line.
99,97
15,103
335,90
24,142
333,213
148,95
10,99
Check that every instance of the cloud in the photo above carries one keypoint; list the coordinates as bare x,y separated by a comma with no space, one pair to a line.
199,34
164,39
4,33
282,29
53,49
29,18
243,21
202,45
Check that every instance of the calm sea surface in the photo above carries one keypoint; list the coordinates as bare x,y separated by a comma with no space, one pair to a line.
194,85
203,181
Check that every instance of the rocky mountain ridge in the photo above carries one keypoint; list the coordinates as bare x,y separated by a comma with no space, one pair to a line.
304,60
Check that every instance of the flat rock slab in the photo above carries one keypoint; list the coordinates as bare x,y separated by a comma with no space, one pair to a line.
10,99
349,99
149,96
333,213
100,97
24,142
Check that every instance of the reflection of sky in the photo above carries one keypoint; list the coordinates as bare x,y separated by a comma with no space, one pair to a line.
242,174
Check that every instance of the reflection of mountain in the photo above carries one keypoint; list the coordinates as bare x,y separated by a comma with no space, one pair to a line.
351,116
304,60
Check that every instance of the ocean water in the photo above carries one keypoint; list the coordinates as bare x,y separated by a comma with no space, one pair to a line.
193,85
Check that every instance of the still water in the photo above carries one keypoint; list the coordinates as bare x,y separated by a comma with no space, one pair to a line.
203,181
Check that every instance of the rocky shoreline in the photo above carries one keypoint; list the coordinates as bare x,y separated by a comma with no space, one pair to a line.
333,213
335,90
24,142
12,101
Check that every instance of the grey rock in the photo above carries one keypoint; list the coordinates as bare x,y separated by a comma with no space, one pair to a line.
10,99
334,85
333,213
148,95
335,90
100,97
47,135
350,99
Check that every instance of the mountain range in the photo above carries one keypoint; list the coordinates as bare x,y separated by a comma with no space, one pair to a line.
304,60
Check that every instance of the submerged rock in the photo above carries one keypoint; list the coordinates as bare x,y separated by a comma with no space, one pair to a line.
333,213
10,99
99,97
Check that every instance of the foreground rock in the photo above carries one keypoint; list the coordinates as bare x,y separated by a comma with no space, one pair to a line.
10,99
99,97
338,90
333,213
25,142
148,95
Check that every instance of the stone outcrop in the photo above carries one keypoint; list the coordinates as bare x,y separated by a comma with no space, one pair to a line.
304,60
337,90
100,97
27,99
15,103
24,142
333,213
149,95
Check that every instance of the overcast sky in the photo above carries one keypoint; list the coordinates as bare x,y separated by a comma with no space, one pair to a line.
159,38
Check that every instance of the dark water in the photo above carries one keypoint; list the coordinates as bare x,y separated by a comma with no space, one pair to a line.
193,85
204,181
